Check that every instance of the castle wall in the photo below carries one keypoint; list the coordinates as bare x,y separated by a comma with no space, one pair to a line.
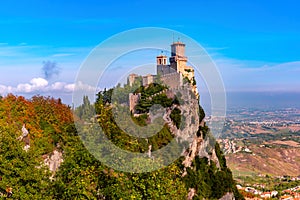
173,80
132,78
164,69
181,64
188,72
148,79
133,101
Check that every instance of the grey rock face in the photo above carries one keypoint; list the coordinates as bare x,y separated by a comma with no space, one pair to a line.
228,196
54,161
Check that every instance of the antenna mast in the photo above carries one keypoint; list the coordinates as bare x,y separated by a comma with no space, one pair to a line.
173,37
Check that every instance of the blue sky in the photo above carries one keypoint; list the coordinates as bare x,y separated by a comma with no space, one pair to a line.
255,44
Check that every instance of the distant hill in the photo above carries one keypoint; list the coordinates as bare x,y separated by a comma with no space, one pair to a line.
262,146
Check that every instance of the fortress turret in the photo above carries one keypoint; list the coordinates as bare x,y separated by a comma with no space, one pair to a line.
178,49
161,60
178,59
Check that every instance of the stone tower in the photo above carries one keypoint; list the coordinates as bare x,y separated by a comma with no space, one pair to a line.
161,60
178,62
178,59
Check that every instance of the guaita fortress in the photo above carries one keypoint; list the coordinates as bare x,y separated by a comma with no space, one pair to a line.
171,74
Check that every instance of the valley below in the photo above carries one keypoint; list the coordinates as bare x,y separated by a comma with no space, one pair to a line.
262,148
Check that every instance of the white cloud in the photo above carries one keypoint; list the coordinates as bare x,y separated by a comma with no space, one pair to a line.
40,85
58,86
80,87
70,87
39,82
26,88
35,84
62,55
4,89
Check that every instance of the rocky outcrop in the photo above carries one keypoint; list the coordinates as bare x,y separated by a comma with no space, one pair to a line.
25,138
228,196
194,139
190,126
191,193
189,108
192,131
53,161
191,153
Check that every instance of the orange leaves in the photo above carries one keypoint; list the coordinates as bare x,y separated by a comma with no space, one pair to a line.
52,110
16,111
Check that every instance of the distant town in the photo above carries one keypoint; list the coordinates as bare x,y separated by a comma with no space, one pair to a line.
262,148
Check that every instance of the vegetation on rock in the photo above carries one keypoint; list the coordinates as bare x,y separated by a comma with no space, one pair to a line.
81,176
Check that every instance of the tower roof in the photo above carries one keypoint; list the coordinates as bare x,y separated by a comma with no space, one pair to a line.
178,43
161,56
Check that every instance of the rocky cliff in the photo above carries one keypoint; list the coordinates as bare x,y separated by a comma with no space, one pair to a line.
199,170
194,131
